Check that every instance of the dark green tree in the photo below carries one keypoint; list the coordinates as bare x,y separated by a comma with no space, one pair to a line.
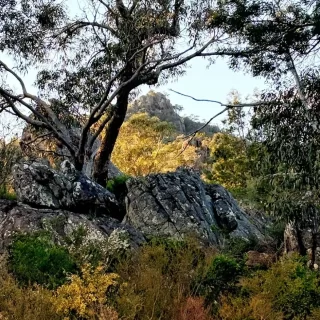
282,41
90,63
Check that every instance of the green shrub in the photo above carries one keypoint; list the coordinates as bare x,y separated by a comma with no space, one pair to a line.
34,258
237,246
117,184
289,287
118,187
221,276
8,195
276,232
300,292
157,279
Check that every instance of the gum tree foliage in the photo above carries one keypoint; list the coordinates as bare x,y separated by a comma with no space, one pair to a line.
283,41
90,62
147,145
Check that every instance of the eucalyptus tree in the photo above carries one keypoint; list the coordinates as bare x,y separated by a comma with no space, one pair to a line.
89,63
282,39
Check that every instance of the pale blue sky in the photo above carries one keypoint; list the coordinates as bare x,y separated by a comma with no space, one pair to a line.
214,83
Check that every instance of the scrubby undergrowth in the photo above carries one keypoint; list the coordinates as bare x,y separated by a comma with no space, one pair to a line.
163,279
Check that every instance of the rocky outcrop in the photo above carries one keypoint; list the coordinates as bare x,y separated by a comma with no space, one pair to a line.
16,217
158,105
172,205
179,204
40,186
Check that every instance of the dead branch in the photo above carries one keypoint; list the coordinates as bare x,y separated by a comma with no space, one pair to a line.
191,135
240,105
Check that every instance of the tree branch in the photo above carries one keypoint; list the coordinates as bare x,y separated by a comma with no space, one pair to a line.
98,132
40,124
122,9
115,93
100,108
185,59
227,107
292,68
74,26
24,90
134,5
38,101
42,136
18,113
240,105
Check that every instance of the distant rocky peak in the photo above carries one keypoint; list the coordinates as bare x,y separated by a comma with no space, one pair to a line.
158,105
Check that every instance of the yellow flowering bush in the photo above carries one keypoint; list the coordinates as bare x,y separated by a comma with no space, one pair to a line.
84,296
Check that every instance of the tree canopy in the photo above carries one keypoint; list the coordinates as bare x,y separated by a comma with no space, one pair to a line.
90,63
147,145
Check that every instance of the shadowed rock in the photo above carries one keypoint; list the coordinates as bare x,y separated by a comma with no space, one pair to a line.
179,203
16,217
40,186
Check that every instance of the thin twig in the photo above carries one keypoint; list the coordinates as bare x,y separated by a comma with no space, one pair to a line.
193,134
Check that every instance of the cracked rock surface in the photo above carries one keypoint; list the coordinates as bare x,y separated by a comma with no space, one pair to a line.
179,203
173,205
40,186
16,217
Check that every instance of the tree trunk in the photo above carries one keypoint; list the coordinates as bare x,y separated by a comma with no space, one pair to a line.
100,170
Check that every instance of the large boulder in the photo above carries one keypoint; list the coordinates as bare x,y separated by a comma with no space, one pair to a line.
179,203
171,205
40,186
17,217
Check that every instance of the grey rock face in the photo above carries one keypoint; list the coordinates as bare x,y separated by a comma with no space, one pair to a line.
158,105
171,205
40,186
16,217
177,204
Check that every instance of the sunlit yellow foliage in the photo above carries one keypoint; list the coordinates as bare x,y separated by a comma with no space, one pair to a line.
146,145
228,164
236,308
158,280
85,295
288,290
17,303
